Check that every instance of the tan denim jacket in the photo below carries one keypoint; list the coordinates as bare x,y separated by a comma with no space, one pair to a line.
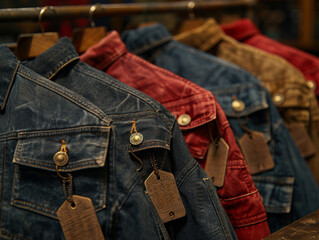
292,95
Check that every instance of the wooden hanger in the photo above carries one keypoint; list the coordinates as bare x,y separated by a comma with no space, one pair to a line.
83,38
192,22
32,44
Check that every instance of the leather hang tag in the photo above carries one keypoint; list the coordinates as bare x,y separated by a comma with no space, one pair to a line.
165,196
302,139
216,161
79,222
256,152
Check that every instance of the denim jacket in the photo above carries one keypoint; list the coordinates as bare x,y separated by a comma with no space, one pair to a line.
207,123
292,96
93,113
288,190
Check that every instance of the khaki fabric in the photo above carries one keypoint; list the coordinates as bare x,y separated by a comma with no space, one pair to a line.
299,105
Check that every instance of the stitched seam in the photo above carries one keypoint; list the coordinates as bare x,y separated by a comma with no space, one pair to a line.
10,86
75,130
60,66
74,167
241,196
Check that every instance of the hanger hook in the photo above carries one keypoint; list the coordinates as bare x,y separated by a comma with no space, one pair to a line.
41,15
190,7
91,13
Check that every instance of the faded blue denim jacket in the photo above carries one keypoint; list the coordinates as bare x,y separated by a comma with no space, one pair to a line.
93,113
288,191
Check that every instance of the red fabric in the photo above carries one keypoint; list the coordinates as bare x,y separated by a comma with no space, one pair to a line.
239,195
245,31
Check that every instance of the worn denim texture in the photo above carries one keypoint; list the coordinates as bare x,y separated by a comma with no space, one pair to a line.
298,106
242,202
37,113
289,191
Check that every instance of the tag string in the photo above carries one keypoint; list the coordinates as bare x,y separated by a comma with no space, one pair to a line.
155,166
133,129
68,190
243,125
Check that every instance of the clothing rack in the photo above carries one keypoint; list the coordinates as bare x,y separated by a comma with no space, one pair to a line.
103,10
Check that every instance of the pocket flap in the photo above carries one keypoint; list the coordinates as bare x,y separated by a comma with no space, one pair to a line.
86,147
154,133
253,95
276,192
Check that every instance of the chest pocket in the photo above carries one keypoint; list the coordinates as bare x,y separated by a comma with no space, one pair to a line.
36,185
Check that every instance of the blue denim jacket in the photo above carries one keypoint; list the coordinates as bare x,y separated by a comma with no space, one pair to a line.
93,113
289,191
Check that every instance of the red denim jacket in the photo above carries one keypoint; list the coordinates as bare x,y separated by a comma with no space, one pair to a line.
238,195
245,31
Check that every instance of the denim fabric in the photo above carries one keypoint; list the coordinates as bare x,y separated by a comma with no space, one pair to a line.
289,190
298,106
38,113
207,122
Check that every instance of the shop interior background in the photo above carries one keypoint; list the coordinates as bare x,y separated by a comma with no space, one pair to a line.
292,22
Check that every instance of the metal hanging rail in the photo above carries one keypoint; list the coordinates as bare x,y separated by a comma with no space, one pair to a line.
82,11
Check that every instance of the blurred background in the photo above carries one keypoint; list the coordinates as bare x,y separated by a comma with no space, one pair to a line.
293,22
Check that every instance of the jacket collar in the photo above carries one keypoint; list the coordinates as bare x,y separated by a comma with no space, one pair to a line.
107,51
241,29
153,36
203,37
51,61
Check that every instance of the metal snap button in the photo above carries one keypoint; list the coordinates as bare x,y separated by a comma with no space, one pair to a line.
61,158
136,138
238,105
278,98
312,85
184,119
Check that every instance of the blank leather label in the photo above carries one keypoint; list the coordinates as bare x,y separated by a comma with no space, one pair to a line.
165,196
79,222
216,162
302,139
256,152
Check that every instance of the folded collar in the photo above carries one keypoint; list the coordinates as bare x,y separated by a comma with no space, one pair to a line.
240,29
203,37
143,39
51,61
107,51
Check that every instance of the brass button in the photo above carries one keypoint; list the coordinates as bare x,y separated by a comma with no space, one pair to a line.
238,105
184,120
136,138
61,158
312,85
278,98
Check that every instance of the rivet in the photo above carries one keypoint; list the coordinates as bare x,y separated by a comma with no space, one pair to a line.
61,158
238,105
278,98
136,138
312,85
184,119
